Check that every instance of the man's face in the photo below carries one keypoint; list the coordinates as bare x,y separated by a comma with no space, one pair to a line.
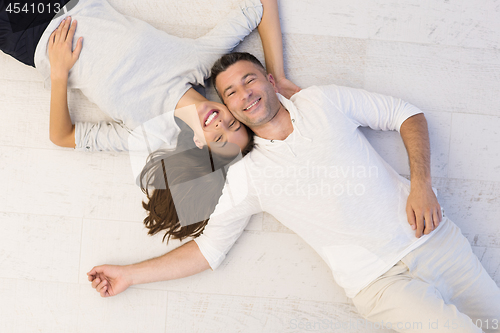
248,93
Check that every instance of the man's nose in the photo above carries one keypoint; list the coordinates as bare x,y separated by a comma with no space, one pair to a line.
246,93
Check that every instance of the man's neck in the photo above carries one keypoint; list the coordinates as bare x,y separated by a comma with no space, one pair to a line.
278,128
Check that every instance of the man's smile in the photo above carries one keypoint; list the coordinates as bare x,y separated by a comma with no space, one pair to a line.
252,105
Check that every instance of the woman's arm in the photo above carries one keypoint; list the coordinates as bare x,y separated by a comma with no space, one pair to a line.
62,59
272,43
62,131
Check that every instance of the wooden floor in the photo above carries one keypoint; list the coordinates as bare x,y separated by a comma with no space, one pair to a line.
63,212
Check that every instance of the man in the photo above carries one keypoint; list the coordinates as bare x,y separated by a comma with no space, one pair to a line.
391,275
316,173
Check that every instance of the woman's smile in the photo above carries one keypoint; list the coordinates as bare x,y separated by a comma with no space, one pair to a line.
211,116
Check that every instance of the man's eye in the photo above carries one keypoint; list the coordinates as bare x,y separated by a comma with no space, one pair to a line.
234,122
232,92
250,81
219,139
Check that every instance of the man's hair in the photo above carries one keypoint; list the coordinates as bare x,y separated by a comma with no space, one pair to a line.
227,60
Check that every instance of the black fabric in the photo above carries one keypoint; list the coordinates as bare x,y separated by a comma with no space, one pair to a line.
20,33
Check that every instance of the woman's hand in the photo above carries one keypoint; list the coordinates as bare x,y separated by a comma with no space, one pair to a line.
287,88
61,56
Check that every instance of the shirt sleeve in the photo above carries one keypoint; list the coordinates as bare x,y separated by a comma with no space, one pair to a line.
101,136
368,109
228,33
161,131
236,205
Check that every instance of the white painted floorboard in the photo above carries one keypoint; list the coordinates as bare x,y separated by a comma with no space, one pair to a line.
63,212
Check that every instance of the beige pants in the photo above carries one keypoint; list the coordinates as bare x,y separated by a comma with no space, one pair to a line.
439,287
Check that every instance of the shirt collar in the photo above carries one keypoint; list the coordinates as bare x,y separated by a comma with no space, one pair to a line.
289,106
295,117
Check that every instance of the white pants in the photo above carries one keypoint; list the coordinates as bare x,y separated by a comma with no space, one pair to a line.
439,287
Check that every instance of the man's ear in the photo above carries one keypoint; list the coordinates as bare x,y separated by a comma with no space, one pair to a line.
197,142
271,80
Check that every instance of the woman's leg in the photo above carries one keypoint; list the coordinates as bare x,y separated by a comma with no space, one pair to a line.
20,33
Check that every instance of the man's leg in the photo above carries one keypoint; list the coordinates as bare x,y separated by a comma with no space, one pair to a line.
441,283
448,263
399,301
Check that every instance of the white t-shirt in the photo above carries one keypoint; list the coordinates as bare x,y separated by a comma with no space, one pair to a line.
135,72
326,183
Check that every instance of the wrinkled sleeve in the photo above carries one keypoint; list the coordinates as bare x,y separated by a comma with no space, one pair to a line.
237,204
368,109
161,131
101,136
228,33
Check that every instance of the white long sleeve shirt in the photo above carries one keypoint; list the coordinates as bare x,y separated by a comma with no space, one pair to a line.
326,183
135,72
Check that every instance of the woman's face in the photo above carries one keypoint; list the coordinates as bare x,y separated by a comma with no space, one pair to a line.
222,131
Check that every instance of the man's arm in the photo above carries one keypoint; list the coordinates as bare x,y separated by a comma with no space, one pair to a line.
387,113
422,203
186,260
227,223
62,58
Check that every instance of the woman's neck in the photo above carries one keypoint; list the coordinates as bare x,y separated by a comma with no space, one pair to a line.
190,97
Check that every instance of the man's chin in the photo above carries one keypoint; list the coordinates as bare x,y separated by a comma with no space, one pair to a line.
253,119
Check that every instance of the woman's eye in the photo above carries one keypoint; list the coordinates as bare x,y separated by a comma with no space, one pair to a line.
219,139
232,92
250,81
234,122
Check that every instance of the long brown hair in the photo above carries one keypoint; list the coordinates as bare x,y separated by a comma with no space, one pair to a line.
166,168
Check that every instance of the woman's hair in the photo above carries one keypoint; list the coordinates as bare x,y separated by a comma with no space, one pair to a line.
166,173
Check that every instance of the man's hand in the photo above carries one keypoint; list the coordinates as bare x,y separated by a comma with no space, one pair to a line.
61,56
422,205
287,88
109,280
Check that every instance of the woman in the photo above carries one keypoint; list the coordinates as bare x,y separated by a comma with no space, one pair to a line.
139,75
135,73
